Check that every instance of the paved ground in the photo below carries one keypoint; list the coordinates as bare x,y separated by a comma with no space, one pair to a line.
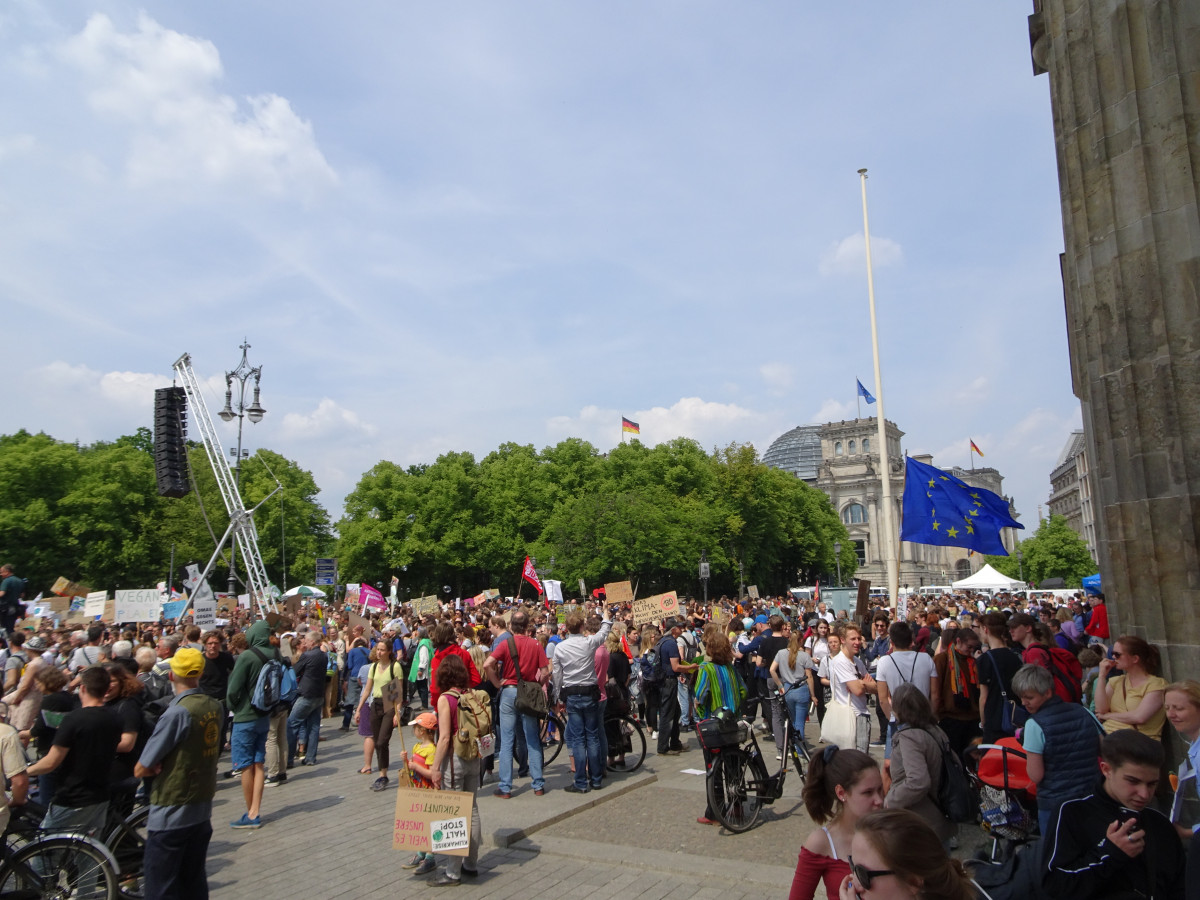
326,834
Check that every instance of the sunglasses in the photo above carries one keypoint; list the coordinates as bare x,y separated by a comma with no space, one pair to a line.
864,875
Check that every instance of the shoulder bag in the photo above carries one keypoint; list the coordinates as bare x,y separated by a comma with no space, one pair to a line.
531,699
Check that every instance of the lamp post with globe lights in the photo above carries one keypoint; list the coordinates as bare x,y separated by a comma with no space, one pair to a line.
254,412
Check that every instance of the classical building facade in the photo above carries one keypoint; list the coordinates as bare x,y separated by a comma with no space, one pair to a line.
1071,490
842,459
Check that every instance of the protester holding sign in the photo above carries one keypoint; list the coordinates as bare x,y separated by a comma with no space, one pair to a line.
451,771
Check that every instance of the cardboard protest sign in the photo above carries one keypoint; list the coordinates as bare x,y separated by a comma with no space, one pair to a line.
648,610
618,592
59,604
565,610
137,606
864,599
752,590
110,611
357,621
291,605
93,604
437,821
65,588
429,604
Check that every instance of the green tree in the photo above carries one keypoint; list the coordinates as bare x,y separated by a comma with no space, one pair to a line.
1053,551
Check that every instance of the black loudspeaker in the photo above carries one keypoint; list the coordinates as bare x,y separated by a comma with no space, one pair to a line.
170,441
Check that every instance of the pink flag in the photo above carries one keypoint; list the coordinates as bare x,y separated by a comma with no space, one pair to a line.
371,598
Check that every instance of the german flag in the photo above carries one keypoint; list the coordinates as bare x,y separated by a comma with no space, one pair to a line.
975,447
628,425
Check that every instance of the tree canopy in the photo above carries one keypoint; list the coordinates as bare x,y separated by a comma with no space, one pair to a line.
1055,550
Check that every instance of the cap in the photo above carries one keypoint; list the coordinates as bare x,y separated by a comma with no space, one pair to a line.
427,720
760,620
37,642
187,662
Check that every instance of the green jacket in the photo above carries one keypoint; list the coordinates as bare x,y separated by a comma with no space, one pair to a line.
244,676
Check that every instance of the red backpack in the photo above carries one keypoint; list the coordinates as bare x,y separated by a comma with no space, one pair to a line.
1063,665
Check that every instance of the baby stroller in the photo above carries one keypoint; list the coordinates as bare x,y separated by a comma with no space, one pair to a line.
1007,798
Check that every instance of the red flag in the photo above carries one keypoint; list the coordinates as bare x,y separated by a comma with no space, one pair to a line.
817,592
530,575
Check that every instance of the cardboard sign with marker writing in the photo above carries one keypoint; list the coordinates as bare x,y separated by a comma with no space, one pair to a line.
438,821
753,591
864,599
652,609
65,588
423,605
356,620
618,592
565,610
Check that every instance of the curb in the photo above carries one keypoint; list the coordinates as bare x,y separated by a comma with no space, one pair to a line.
505,838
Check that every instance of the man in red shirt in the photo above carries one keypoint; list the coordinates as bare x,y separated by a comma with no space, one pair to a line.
501,670
1097,626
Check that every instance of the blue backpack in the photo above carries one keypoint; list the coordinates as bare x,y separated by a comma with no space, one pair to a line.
651,672
276,687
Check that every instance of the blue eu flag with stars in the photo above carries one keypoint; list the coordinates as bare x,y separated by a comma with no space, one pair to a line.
863,392
945,511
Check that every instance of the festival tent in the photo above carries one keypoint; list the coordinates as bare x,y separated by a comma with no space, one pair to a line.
1091,583
988,579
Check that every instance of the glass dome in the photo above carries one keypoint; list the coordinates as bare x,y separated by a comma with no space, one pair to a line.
797,451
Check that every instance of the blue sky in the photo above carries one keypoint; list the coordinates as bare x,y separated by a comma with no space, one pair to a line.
443,227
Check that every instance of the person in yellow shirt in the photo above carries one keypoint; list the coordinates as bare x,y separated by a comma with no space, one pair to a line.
420,766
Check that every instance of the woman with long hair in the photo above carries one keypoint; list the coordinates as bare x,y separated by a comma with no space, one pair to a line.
125,698
817,647
917,760
792,671
1182,705
384,669
895,854
842,787
1134,698
718,686
452,772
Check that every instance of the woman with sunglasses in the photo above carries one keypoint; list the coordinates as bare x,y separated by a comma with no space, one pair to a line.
894,855
1134,698
842,787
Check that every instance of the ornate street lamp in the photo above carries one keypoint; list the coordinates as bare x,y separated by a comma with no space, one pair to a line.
254,412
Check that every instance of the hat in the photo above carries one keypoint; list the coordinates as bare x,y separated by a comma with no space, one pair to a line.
427,720
37,642
747,623
760,620
187,662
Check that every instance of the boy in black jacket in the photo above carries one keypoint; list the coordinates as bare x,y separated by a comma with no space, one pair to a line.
1111,844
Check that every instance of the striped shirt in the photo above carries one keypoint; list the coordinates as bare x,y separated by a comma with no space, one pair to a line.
718,687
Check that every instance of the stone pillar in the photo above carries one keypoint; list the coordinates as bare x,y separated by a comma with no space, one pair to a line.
1125,95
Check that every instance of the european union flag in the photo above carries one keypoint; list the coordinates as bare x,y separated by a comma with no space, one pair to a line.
945,511
863,392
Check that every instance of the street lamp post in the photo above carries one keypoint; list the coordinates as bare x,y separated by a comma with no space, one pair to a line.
254,412
837,556
1020,566
704,570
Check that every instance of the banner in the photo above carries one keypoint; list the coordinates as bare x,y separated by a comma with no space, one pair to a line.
649,610
172,608
93,604
618,592
204,604
137,606
436,821
553,591
204,613
529,573
371,598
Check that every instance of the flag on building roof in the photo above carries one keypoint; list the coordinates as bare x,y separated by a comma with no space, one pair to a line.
630,426
945,511
865,394
975,447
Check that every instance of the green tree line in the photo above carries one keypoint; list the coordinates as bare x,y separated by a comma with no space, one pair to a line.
1055,550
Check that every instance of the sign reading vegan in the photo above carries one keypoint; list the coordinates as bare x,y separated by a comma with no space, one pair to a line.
651,609
137,606
438,821
618,592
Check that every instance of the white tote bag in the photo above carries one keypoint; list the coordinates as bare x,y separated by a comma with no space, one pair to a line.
838,726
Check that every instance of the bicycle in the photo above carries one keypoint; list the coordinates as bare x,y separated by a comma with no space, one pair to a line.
57,865
737,800
552,733
628,730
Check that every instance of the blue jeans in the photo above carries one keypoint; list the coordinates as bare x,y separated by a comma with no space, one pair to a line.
684,692
887,741
509,718
797,700
304,724
583,736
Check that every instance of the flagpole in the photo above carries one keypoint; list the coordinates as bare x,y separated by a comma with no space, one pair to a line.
889,544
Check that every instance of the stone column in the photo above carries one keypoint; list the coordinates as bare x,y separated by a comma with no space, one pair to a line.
1125,95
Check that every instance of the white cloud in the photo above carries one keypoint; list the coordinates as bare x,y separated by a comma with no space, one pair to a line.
975,392
129,390
705,421
849,255
182,130
778,376
833,411
329,419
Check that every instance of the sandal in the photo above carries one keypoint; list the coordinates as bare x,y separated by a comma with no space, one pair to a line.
364,771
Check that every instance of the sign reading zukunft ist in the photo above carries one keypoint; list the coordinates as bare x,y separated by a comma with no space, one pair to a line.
137,606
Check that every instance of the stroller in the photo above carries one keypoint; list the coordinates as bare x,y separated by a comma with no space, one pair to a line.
1007,798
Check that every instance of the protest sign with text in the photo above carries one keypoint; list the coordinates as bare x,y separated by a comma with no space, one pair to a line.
438,821
137,606
426,605
618,592
93,605
648,610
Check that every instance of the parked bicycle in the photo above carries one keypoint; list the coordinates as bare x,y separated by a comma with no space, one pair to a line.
42,866
737,782
624,732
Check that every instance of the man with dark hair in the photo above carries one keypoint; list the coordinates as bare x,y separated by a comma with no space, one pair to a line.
672,668
500,668
12,589
82,755
1112,844
996,667
903,665
579,694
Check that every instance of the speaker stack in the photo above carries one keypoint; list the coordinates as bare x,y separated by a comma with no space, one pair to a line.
170,441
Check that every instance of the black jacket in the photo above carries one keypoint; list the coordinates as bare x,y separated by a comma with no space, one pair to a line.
310,673
1080,862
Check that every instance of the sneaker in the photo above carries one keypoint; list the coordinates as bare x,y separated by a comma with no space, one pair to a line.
654,735
246,822
414,862
273,780
425,866
445,880
379,783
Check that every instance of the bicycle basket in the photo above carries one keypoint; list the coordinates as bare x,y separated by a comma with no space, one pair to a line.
722,730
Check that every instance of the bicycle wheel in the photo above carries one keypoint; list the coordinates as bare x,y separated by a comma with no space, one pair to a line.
127,842
633,744
553,734
732,784
59,866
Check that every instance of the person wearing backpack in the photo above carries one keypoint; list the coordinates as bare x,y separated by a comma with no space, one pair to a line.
916,763
248,742
1035,640
452,771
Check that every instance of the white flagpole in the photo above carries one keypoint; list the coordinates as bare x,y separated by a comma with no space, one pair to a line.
889,541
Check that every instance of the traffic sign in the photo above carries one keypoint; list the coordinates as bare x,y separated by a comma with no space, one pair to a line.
326,572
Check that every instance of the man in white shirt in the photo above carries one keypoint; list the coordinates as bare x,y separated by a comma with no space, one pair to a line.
852,684
902,666
824,613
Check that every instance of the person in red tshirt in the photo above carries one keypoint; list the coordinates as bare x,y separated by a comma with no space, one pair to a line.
445,644
1097,626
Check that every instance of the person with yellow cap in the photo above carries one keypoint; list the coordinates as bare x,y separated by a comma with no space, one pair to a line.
181,755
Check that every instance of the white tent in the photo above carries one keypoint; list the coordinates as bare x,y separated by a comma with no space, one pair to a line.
988,579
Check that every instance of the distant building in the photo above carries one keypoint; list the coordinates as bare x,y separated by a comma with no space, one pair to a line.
842,460
1071,490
